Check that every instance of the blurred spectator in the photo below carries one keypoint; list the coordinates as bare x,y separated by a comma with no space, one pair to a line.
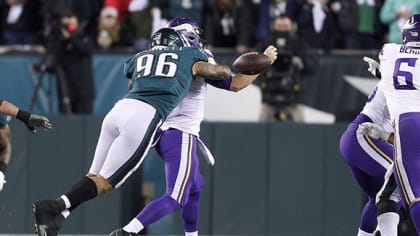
87,12
20,21
281,84
141,21
109,31
74,58
121,6
316,25
192,9
230,23
394,13
146,18
358,22
270,9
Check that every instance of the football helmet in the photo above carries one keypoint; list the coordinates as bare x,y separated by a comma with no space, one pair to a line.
411,31
188,28
168,37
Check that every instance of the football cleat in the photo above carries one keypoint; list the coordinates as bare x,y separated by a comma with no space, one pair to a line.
377,233
47,221
121,232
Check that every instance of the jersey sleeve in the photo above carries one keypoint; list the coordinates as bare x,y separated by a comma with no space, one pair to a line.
199,54
129,66
221,84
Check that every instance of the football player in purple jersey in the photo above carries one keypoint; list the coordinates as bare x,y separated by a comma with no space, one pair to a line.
400,81
177,143
369,157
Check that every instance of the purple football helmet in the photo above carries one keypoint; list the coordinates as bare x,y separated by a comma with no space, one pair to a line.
188,29
411,31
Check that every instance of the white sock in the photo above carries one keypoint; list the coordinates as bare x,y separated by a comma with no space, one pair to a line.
65,213
388,223
135,226
191,233
363,233
66,201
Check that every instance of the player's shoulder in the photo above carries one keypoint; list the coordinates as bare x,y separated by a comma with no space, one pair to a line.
197,52
389,49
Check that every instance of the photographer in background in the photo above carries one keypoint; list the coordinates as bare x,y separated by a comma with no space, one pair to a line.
74,56
281,84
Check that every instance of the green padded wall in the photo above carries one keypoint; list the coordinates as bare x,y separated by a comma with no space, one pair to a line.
296,187
269,179
343,198
240,179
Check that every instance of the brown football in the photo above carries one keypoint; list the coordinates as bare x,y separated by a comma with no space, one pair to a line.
252,63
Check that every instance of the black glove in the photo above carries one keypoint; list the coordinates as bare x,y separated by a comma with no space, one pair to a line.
31,120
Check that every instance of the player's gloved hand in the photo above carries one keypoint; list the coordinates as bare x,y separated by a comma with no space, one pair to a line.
32,120
373,130
2,181
374,67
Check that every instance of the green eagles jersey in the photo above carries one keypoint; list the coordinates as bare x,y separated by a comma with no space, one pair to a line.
162,76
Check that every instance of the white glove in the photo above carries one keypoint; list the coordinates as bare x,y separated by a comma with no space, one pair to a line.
374,67
373,130
2,181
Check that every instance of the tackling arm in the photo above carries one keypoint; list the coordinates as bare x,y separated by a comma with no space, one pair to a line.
210,71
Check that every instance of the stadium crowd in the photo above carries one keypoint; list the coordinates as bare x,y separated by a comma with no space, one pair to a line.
239,24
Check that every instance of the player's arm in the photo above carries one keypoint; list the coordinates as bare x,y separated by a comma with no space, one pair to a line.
210,71
30,120
240,81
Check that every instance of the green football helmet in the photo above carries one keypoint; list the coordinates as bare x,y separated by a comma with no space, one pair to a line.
168,37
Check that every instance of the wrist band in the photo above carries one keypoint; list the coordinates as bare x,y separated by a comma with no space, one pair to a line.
23,116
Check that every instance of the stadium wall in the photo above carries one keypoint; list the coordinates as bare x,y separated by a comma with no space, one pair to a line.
269,179
325,89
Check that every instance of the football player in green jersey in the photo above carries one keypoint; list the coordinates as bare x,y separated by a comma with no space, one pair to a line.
161,76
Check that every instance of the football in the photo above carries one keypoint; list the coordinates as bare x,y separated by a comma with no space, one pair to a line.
252,63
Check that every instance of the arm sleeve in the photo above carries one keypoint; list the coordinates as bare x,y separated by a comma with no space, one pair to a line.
129,66
221,84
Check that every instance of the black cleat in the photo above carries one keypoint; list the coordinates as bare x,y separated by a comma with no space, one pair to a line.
47,220
121,232
377,233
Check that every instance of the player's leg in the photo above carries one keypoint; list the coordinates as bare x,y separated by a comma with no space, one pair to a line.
5,151
370,185
387,204
178,151
191,211
123,156
407,162
368,159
